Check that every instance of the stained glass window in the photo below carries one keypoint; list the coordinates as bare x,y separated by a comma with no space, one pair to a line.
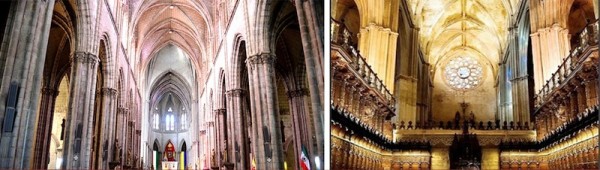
156,119
463,73
183,121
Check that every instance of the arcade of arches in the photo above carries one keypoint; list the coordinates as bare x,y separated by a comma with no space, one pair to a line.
161,84
482,84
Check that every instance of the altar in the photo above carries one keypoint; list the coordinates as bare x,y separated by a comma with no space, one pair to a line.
169,165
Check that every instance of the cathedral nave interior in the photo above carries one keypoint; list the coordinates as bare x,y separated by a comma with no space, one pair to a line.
465,84
161,84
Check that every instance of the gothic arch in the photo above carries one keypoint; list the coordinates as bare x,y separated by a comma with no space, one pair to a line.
235,73
156,146
57,66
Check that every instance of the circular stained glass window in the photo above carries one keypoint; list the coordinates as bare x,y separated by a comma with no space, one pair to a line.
463,73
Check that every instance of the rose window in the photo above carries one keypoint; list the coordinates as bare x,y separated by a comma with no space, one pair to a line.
463,73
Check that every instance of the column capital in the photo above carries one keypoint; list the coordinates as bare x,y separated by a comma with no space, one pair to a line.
84,57
109,91
297,93
121,110
261,58
236,93
220,111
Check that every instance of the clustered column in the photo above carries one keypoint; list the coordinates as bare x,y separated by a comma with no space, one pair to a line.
266,127
222,145
235,104
80,118
301,115
44,125
108,97
24,53
118,146
311,35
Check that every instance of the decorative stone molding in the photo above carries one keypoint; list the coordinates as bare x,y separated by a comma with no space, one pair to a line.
263,58
297,93
122,110
236,93
85,58
109,91
220,111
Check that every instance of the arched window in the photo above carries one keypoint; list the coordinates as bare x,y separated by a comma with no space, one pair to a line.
183,121
170,120
156,120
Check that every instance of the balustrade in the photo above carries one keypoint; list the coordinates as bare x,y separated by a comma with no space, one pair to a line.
341,36
566,70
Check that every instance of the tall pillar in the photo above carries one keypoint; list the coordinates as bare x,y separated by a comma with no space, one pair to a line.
23,54
222,142
301,115
119,131
263,94
378,45
312,35
81,111
550,46
44,127
109,99
235,104
230,127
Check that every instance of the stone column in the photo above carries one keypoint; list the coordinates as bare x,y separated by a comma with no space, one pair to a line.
407,80
373,38
550,46
263,93
80,114
235,104
221,142
22,57
44,127
311,35
109,99
119,133
300,117
213,148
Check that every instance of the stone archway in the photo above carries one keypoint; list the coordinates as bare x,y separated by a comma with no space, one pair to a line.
56,70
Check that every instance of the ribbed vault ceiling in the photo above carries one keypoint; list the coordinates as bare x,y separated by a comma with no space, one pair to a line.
449,28
183,23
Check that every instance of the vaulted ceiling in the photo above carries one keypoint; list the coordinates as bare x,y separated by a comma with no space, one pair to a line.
183,23
449,28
